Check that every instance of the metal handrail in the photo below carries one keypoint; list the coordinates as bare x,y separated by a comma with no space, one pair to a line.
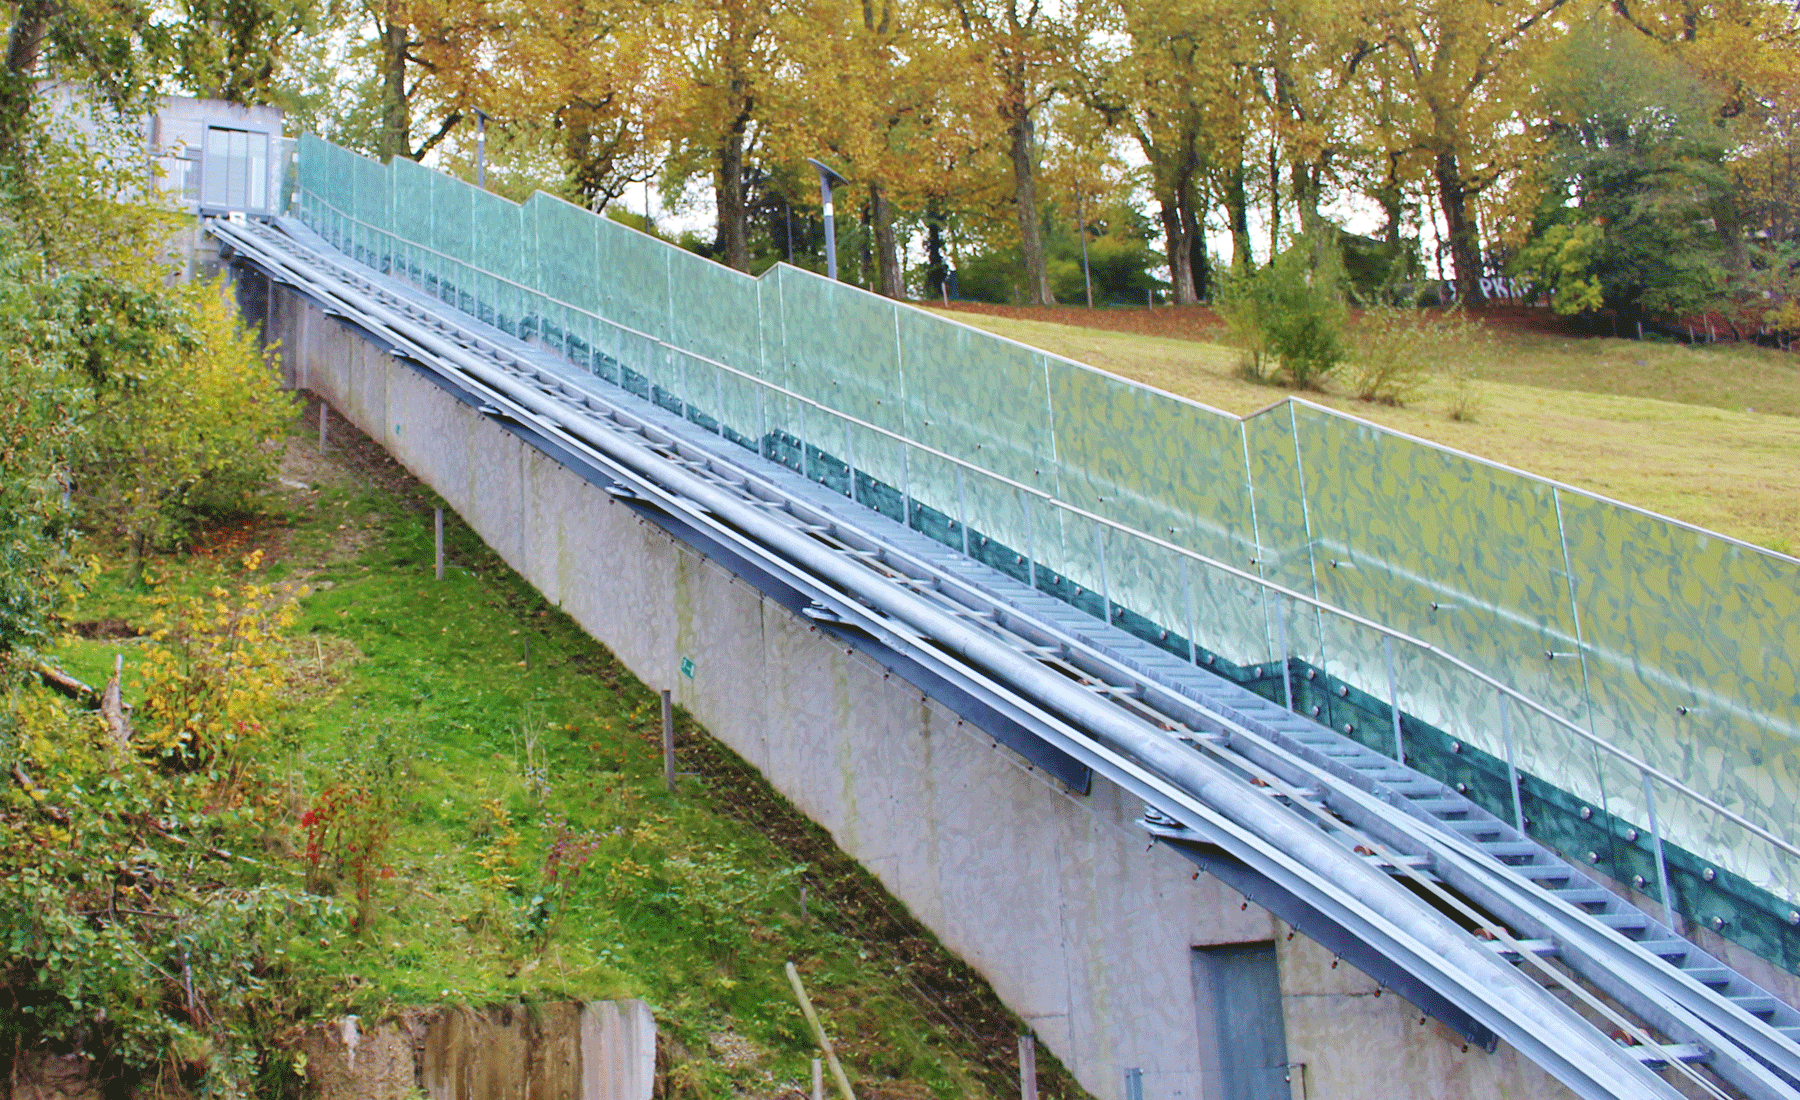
1643,767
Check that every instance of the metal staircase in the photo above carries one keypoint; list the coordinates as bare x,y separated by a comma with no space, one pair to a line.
1446,904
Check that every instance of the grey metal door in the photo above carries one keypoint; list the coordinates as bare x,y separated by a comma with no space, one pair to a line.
1243,1043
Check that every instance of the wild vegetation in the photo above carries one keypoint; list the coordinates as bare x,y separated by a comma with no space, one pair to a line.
340,786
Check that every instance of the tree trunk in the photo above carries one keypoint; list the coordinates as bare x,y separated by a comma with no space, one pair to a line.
1031,235
25,43
1193,225
1465,239
396,113
1181,272
886,254
1197,263
936,271
1274,203
1237,212
24,48
734,230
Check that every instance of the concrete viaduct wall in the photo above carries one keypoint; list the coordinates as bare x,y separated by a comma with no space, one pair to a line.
1052,896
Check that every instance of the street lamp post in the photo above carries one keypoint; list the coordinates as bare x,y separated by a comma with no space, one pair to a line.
481,148
828,179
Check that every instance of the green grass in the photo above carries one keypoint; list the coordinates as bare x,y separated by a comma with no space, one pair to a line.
419,690
1657,425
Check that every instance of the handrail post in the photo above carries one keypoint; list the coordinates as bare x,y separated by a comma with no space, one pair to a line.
1030,540
849,457
1512,768
1105,588
1387,652
1187,589
962,511
1281,642
1662,866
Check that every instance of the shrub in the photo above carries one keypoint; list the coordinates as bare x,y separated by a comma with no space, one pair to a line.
1288,318
213,674
182,405
1397,351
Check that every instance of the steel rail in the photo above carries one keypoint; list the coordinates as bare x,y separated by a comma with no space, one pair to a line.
1624,756
1122,747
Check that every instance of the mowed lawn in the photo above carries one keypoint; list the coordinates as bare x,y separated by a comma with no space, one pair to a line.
1708,435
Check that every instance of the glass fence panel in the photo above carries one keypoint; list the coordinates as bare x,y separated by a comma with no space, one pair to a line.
876,458
997,524
410,188
713,311
498,227
634,272
1442,547
1166,467
838,347
1229,620
1284,551
978,398
453,220
1690,643
939,493
567,253
1145,582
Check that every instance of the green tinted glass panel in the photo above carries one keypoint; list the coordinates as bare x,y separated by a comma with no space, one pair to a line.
1671,644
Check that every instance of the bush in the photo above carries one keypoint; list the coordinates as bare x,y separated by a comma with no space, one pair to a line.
182,405
1288,318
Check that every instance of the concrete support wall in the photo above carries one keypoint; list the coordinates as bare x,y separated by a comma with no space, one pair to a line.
1054,897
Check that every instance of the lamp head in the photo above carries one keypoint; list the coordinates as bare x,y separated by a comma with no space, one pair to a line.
826,175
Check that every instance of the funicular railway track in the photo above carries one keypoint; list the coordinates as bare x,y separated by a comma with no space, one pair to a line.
1399,874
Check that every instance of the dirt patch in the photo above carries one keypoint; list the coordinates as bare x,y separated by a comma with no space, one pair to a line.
732,1049
317,664
104,629
351,458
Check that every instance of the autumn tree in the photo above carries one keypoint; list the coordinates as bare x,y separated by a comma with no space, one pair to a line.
1013,45
1451,75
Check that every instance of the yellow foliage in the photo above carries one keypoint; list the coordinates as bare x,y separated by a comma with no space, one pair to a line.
213,671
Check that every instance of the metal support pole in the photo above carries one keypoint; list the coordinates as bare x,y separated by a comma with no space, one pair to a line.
1187,590
438,523
906,486
962,511
668,717
1134,1084
1281,642
1387,653
850,462
762,425
481,149
1027,1067
1512,767
324,414
1105,587
818,1089
1030,540
1662,865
